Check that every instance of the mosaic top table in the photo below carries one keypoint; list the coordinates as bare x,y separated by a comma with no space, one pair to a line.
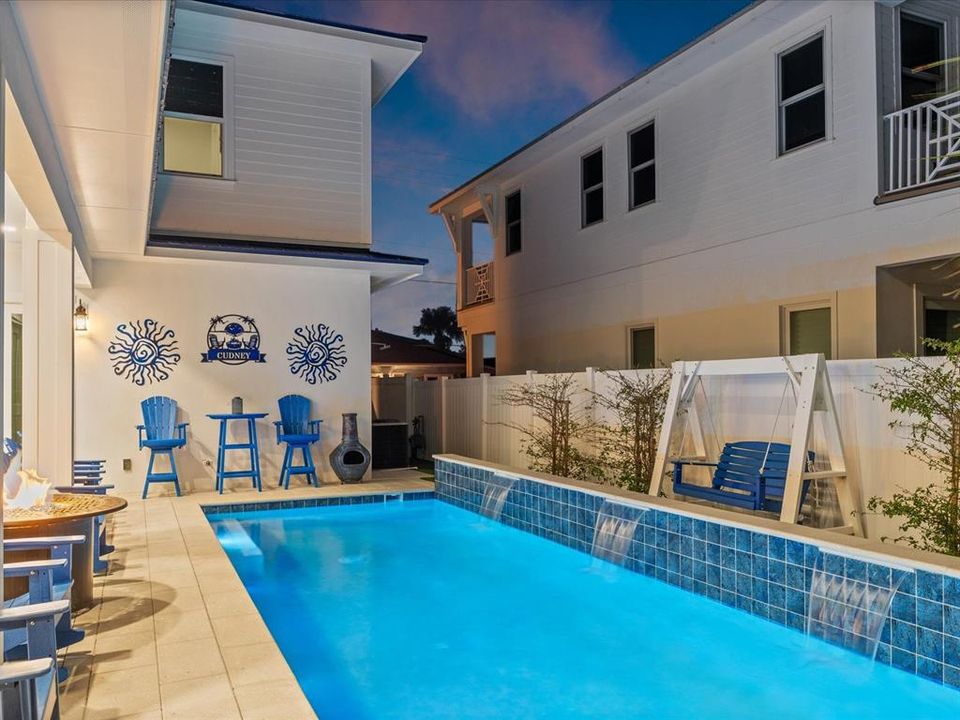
251,446
68,514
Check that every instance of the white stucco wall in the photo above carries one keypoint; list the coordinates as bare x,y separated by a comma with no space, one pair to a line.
184,295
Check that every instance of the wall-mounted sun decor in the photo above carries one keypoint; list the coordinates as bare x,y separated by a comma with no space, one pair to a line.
143,352
316,353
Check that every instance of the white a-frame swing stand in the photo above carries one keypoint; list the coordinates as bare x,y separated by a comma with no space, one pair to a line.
811,386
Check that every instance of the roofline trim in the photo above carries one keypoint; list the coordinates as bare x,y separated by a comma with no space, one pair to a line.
410,37
435,206
281,249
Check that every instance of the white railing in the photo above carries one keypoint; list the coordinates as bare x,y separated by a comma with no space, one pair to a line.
922,143
480,283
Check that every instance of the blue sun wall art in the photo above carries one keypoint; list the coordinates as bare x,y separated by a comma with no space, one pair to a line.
143,351
316,353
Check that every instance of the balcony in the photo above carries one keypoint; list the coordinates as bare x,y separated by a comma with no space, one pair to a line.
922,144
480,280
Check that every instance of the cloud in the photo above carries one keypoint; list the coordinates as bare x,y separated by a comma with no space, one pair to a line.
491,57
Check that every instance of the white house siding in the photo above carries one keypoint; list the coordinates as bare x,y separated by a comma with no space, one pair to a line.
184,295
301,138
736,230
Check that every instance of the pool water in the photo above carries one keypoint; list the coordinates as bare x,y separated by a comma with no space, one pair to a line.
421,610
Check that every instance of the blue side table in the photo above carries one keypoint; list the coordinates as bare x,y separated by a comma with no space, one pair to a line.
251,445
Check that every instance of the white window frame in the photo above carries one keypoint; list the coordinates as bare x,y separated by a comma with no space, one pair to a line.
631,169
656,342
941,25
226,122
597,186
826,86
819,304
506,225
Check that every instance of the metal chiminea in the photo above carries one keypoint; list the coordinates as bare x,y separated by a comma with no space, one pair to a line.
350,459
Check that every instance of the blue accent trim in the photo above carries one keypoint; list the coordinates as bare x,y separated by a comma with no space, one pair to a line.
253,247
327,501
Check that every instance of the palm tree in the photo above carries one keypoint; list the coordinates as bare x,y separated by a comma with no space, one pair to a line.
440,323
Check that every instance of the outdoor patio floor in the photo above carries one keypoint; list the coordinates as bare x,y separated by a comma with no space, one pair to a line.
173,633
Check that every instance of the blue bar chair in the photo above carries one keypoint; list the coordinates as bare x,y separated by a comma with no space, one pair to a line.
161,434
299,432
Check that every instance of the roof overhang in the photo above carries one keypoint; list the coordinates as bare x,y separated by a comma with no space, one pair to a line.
390,54
385,269
97,68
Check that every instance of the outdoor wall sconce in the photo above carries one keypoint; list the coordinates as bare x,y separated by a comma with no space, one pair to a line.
80,317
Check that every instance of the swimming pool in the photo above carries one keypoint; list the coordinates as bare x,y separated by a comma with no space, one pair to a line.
423,610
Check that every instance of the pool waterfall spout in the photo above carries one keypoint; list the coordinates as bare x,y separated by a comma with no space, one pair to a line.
848,612
612,535
495,496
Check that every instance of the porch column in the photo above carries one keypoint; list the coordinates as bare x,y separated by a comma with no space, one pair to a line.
48,355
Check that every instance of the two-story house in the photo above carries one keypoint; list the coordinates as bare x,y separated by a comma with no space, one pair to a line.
201,175
789,182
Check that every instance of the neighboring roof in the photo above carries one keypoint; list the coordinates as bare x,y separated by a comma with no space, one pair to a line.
390,349
272,10
435,205
257,247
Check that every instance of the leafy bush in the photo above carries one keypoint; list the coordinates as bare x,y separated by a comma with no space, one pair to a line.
627,447
926,391
550,441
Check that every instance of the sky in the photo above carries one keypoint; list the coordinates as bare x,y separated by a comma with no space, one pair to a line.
494,74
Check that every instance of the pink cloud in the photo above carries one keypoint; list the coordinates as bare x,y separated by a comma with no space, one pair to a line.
489,56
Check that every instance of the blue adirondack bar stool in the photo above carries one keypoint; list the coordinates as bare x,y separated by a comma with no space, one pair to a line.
162,434
749,475
298,431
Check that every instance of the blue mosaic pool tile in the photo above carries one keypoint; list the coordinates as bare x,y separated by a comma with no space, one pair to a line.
951,620
904,636
765,575
930,615
929,586
930,644
904,607
776,547
713,533
794,554
951,676
878,575
951,591
930,669
951,650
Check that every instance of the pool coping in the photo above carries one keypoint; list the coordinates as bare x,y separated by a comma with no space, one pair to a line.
171,585
836,543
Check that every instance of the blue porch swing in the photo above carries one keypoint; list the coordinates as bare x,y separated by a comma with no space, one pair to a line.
757,475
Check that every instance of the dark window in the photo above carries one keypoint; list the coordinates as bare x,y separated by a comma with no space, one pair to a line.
810,332
643,175
921,60
591,176
514,224
941,321
193,122
802,99
195,88
643,348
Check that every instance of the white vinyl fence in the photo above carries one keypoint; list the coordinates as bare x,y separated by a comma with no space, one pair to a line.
466,417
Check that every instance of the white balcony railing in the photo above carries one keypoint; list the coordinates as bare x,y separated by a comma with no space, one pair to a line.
922,143
479,283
